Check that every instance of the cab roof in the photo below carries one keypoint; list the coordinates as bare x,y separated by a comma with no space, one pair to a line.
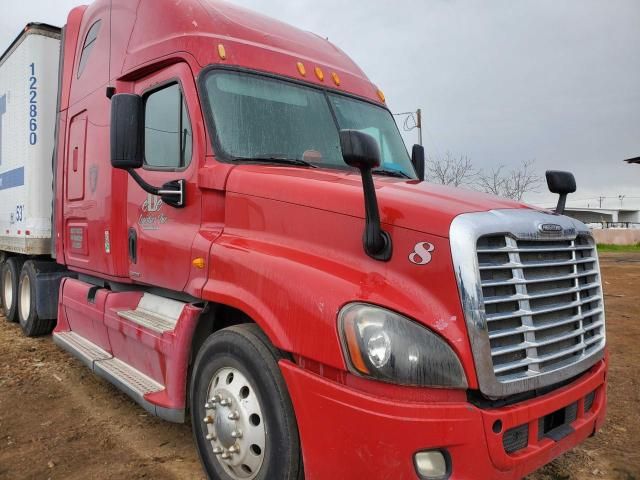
216,32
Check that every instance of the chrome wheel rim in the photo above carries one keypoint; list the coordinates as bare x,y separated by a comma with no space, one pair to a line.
7,290
234,424
25,298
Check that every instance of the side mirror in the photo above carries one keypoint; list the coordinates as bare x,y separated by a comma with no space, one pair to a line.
361,151
127,147
562,183
417,160
127,131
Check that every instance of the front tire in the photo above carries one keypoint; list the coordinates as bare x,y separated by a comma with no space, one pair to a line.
32,325
10,272
241,412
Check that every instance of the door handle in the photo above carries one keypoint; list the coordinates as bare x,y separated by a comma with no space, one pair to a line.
75,159
133,245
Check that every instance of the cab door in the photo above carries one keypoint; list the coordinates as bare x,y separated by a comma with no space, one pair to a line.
160,236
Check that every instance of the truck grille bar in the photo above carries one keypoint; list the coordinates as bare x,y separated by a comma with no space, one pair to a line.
533,299
562,308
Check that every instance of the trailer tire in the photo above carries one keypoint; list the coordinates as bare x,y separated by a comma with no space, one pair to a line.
245,406
10,274
32,325
3,259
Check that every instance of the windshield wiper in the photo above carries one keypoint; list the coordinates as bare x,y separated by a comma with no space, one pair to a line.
277,160
390,173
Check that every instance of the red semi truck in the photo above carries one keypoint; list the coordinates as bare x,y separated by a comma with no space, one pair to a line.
240,237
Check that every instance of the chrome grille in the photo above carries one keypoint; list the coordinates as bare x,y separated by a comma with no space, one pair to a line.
531,297
543,303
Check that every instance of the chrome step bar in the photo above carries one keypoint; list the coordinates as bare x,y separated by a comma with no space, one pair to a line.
155,313
122,375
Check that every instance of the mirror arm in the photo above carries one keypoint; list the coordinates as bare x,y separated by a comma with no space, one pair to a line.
376,242
562,203
166,192
144,185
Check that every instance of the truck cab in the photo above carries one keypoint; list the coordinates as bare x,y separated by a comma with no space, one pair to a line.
248,243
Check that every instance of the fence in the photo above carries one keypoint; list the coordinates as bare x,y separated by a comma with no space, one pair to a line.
605,225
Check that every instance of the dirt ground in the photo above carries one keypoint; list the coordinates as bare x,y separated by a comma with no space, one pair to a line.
59,421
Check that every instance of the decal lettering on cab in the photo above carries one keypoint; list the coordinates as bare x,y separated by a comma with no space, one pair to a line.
152,218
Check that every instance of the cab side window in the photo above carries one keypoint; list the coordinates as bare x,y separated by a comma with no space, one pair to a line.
89,43
168,136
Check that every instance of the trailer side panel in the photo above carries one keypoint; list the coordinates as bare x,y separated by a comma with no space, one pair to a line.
28,92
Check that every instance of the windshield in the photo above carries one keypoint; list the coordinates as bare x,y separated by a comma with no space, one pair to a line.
258,117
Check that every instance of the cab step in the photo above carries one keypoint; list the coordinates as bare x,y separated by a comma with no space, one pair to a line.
129,380
122,375
155,313
87,352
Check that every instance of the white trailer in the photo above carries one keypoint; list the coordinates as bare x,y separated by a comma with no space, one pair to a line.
28,101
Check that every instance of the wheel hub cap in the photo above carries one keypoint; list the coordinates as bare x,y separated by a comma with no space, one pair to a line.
25,297
8,290
224,427
235,424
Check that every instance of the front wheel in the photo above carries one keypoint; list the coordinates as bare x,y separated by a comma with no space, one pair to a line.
241,412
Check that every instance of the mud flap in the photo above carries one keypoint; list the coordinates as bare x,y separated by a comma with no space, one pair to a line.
47,288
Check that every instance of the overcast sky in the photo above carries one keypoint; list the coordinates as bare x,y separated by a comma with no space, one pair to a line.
501,81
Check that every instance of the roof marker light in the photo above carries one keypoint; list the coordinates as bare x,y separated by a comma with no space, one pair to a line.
381,96
336,79
320,74
302,69
222,52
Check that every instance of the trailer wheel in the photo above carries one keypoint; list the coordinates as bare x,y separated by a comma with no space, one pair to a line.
31,324
241,412
10,273
3,259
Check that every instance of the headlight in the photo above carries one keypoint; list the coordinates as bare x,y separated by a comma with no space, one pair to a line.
381,344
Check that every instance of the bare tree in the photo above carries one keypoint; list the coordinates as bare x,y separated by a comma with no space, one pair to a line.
459,171
492,181
451,170
513,184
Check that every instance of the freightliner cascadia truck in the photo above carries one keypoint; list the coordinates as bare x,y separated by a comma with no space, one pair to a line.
215,211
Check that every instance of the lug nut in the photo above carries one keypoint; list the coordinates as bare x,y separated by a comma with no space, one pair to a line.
210,406
208,419
236,434
215,399
233,416
211,436
225,402
218,450
225,456
234,449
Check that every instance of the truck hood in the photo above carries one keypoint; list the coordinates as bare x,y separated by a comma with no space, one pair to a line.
411,204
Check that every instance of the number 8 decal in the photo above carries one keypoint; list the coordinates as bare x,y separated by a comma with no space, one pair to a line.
421,254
